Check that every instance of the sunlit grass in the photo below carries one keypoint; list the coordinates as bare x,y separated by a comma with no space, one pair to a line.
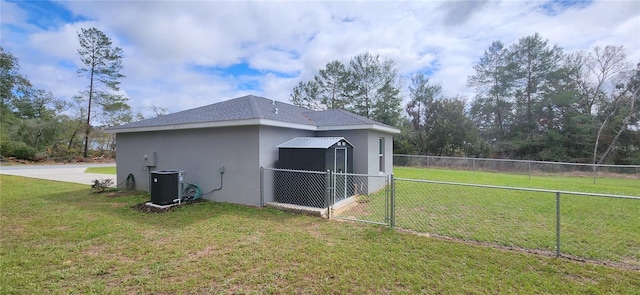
101,170
603,185
62,238
598,228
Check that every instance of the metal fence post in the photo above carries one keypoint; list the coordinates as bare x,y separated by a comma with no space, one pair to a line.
387,189
595,173
261,186
529,170
327,192
474,166
393,200
557,224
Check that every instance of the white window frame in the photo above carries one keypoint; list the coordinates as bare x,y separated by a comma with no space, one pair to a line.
381,150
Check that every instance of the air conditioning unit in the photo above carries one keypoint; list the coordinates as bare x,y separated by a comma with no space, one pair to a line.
166,186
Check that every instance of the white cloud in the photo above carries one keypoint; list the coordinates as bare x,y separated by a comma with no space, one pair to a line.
61,43
164,40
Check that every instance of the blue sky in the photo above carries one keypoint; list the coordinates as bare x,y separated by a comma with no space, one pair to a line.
181,55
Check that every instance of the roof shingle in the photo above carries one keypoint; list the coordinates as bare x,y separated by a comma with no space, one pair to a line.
252,107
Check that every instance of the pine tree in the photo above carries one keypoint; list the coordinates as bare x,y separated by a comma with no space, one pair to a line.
101,65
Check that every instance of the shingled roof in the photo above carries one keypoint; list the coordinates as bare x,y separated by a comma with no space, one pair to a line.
254,110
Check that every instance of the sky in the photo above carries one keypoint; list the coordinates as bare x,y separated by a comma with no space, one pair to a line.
184,54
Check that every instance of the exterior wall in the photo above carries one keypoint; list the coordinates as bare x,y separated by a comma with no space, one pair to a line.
303,159
270,137
365,152
359,140
241,150
200,153
373,157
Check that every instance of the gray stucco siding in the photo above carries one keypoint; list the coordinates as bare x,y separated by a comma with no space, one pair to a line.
242,150
365,154
200,153
374,158
270,137
358,138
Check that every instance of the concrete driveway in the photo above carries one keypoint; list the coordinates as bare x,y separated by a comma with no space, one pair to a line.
66,173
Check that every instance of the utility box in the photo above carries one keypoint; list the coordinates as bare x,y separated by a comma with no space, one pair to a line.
150,159
166,186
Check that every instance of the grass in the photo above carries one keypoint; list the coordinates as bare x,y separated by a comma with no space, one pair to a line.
603,185
60,238
101,170
596,228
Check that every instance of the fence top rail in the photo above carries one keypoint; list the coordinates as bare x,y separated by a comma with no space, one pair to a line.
292,170
521,189
324,172
363,175
519,161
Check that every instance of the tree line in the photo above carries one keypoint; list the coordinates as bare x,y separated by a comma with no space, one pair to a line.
532,101
35,125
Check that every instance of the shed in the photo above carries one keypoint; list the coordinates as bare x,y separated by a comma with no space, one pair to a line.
314,154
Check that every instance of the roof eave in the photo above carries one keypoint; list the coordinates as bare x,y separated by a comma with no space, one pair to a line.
229,123
382,128
252,122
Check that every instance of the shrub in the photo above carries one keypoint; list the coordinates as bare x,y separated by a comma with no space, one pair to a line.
17,149
100,185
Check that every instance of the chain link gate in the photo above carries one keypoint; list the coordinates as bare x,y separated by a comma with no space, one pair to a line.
362,198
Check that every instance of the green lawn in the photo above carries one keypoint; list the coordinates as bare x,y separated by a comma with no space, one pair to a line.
101,170
596,228
60,238
618,186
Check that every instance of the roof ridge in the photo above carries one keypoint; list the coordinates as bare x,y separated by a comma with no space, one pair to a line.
255,111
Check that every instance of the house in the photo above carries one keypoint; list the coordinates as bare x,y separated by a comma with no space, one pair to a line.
237,137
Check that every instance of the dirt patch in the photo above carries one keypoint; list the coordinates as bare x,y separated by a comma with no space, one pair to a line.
143,207
208,251
93,251
313,229
353,208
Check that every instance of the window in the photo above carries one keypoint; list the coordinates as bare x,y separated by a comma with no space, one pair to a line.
381,153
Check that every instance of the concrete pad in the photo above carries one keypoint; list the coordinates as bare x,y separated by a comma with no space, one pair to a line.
297,209
66,173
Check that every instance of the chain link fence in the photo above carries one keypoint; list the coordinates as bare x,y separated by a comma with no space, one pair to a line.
585,226
579,225
348,196
531,168
295,187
